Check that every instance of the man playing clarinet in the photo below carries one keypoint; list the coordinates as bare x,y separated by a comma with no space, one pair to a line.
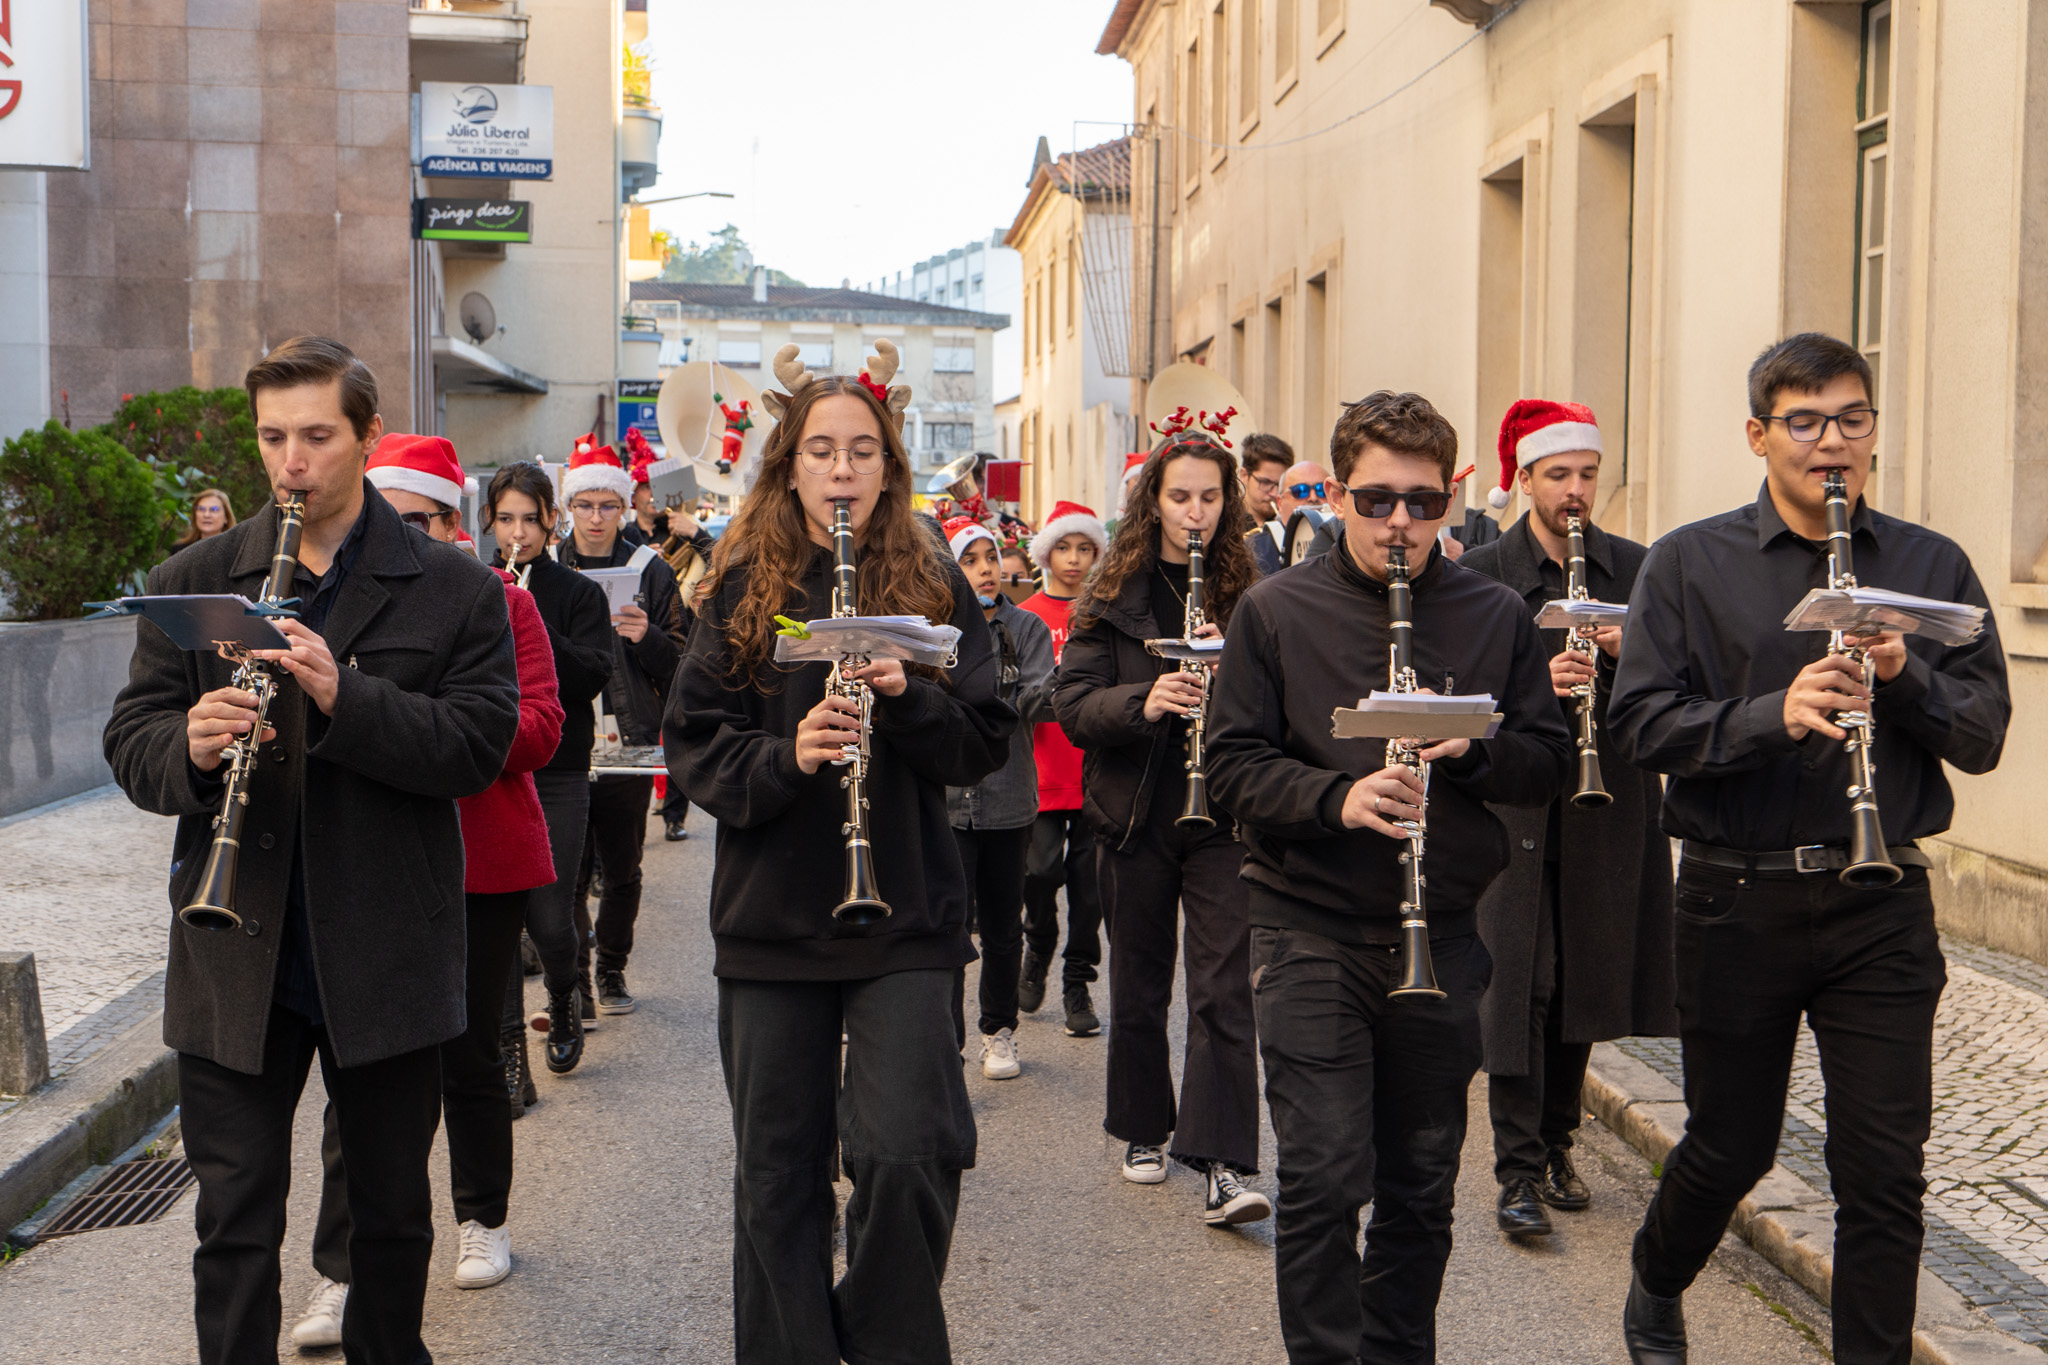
1579,926
1367,1093
1747,720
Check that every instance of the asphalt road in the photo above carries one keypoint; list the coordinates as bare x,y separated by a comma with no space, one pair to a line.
621,1233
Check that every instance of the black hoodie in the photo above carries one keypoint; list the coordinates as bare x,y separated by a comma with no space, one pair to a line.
779,868
1313,638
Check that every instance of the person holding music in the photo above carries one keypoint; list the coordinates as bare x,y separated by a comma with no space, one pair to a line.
1166,865
1747,720
520,505
1367,1093
397,695
760,745
1579,925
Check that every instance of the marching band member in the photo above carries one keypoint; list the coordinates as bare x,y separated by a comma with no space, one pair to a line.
1579,925
1368,1094
1124,707
1740,713
397,696
756,744
1265,460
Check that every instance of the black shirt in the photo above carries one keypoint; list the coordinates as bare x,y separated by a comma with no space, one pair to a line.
1699,693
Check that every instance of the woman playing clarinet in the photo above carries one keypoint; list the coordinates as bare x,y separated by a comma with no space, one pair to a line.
1130,711
760,745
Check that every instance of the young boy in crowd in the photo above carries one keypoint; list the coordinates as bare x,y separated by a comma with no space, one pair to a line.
1062,848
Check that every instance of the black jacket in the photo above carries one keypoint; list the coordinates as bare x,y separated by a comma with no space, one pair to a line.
1314,638
427,710
641,669
779,868
580,633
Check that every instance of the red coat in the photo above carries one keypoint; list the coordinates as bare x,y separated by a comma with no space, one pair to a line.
504,835
1059,762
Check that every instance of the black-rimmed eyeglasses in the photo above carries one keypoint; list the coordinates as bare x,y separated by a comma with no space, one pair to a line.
1808,427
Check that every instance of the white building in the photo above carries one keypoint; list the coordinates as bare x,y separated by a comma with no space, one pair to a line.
981,277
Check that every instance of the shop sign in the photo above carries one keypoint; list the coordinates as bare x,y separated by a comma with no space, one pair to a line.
472,220
44,86
489,132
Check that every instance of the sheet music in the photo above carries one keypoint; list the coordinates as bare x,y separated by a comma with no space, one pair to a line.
910,638
1563,614
1865,611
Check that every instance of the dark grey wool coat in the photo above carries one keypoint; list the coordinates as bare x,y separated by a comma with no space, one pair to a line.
1614,869
426,711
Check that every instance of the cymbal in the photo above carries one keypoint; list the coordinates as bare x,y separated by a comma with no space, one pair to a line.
1199,389
692,426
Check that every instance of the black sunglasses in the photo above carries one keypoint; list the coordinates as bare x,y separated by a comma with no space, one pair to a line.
1301,491
423,521
1376,504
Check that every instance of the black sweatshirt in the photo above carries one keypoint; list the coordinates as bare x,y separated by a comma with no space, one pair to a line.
580,633
779,868
1313,638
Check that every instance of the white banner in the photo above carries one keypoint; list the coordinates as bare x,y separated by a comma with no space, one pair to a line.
44,85
497,132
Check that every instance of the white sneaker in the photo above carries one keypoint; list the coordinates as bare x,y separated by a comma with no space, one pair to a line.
999,1055
321,1323
1144,1164
485,1256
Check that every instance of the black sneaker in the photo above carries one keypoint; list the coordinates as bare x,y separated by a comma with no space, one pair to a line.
1081,1020
612,996
673,831
1031,983
565,1031
1231,1201
1560,1186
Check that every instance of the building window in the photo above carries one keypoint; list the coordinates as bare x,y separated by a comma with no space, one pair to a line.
815,356
1191,114
949,435
1284,44
953,358
1873,179
739,353
1219,76
1247,60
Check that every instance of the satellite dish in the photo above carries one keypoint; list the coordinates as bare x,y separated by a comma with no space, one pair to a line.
478,318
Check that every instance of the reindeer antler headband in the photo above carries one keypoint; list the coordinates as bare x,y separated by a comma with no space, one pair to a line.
881,368
1180,424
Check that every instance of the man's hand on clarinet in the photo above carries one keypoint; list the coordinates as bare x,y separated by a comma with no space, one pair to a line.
217,720
1376,802
1172,694
1569,669
1831,683
824,733
309,661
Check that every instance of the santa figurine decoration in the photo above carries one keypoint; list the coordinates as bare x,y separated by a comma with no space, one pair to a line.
639,455
738,422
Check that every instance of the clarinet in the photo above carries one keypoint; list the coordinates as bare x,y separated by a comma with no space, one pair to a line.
1418,974
213,907
1194,810
1592,793
1869,867
862,903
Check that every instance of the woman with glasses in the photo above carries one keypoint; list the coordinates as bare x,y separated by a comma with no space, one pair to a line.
212,513
521,506
757,743
1125,708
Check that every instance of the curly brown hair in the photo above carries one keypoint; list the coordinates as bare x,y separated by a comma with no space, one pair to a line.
1227,565
768,546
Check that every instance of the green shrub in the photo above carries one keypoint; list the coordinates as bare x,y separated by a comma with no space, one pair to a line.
194,439
79,516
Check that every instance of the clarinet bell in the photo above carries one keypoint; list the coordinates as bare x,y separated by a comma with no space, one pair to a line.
1418,973
863,903
1869,868
1194,810
1592,793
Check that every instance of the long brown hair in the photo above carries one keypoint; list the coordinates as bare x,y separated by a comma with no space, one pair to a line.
1227,567
192,536
768,544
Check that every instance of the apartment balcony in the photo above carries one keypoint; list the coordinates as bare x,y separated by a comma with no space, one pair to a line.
481,41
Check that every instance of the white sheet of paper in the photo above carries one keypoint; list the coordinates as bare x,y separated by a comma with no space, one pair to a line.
620,585
1563,614
1869,610
910,638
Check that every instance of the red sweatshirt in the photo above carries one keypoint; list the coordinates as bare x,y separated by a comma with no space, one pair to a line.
504,835
1059,762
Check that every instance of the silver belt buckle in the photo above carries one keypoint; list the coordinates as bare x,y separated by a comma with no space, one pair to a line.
1818,862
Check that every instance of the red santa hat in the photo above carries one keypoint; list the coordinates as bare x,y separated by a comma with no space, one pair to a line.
596,469
962,532
425,465
1535,428
1068,519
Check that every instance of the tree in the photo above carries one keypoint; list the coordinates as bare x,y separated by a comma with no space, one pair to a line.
194,439
79,516
726,259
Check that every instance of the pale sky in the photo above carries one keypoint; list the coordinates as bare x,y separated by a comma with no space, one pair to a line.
860,139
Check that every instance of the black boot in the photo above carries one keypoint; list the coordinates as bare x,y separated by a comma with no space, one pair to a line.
1082,1021
565,1031
1560,1186
529,1094
1520,1213
1654,1328
512,1052
1031,983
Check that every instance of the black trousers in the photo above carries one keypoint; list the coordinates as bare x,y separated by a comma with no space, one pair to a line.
472,1096
993,860
618,834
1368,1103
238,1137
1062,853
550,919
1144,887
1754,953
905,1133
1538,1111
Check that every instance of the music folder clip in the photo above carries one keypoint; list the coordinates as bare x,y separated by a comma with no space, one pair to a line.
1418,715
205,621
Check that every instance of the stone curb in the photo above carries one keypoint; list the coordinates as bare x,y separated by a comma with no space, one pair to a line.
1787,1220
84,1118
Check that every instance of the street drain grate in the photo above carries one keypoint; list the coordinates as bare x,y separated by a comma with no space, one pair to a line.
132,1192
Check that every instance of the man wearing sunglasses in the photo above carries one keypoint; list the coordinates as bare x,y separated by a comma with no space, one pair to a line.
646,646
1742,716
1319,820
1265,459
1579,926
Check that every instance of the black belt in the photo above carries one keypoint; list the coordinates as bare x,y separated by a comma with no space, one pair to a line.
1809,858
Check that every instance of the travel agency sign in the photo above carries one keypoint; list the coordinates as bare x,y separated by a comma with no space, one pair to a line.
489,132
44,85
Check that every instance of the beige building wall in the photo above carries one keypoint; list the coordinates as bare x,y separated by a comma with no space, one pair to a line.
1621,202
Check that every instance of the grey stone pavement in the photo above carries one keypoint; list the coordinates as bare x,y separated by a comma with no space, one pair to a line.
621,1211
